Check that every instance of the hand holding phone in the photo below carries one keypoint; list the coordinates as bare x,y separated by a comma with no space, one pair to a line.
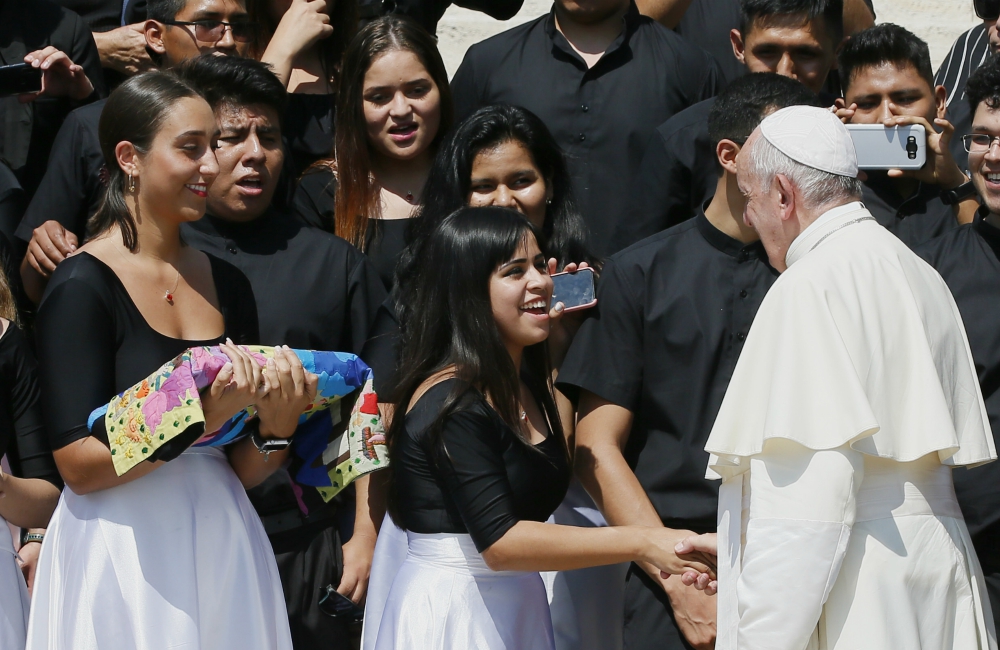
575,290
897,147
18,79
59,76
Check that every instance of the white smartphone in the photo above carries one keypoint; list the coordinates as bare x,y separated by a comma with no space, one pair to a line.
897,147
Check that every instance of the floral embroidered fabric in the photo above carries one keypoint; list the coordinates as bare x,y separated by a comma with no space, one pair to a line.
340,435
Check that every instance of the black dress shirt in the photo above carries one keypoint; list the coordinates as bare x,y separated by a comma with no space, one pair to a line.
72,188
314,291
105,15
28,130
915,219
12,203
969,51
707,24
968,258
602,117
672,314
678,174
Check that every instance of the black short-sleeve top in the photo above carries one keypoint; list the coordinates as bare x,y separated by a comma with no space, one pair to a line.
93,342
22,433
482,478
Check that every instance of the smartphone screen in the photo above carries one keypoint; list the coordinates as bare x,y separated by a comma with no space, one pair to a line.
574,290
19,78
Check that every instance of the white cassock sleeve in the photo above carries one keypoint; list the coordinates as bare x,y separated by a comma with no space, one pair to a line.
802,507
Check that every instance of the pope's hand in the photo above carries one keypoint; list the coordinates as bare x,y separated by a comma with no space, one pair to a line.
705,545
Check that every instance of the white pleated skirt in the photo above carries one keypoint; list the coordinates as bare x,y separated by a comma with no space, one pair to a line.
175,559
13,594
444,597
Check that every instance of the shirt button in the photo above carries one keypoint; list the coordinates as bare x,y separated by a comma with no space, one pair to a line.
743,293
741,336
230,248
585,108
582,137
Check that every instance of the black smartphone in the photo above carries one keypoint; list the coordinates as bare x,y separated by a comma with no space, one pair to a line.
19,78
574,290
340,606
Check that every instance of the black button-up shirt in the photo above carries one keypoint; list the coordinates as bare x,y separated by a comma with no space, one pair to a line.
915,219
678,174
602,116
968,258
671,318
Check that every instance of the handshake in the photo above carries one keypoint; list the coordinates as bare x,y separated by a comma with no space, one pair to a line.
703,549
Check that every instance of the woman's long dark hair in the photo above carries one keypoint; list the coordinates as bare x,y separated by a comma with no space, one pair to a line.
453,324
357,196
343,17
449,183
134,113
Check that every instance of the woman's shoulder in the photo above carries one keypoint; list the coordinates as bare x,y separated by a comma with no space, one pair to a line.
83,270
470,409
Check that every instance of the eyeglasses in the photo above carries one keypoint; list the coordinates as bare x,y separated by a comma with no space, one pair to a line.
979,142
987,9
213,31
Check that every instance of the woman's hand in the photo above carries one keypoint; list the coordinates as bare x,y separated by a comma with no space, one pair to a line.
235,388
562,327
290,389
706,544
662,553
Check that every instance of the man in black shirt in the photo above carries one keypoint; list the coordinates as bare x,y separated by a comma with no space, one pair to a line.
28,129
794,38
313,291
968,258
886,72
651,366
56,218
601,77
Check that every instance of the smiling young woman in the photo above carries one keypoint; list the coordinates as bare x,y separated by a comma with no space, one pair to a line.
479,456
120,548
394,107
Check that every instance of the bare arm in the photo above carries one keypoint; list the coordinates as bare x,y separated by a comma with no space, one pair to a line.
27,502
601,433
537,546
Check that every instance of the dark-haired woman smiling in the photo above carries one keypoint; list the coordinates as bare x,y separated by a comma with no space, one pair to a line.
480,461
170,554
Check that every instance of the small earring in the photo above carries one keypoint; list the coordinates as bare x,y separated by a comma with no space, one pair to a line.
131,183
548,201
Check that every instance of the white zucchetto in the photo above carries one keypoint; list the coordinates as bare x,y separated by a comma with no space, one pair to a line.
814,137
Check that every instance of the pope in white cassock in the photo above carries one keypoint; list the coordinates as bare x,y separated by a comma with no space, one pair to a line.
854,397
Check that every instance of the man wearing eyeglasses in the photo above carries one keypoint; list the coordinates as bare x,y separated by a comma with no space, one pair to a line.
968,258
970,50
55,221
886,74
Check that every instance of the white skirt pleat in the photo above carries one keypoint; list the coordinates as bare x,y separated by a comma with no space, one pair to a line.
444,597
175,559
13,594
390,553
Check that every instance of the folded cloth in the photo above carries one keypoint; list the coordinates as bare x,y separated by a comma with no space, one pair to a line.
340,435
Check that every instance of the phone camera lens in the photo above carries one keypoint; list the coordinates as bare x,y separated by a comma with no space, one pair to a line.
911,147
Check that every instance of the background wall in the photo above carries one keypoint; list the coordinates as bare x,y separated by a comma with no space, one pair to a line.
939,22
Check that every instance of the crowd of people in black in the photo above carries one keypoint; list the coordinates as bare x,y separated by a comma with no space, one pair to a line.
303,174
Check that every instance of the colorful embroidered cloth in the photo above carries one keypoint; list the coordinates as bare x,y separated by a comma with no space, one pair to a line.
340,435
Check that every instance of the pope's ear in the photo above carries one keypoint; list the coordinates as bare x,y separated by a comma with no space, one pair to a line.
726,152
786,195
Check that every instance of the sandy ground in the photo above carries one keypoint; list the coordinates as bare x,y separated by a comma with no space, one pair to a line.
939,22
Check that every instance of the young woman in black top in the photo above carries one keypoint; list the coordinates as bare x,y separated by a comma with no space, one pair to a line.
30,491
393,109
171,553
479,457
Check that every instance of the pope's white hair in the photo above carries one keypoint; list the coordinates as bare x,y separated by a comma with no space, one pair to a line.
818,187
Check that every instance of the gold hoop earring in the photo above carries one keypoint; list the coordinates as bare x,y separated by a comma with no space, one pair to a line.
131,184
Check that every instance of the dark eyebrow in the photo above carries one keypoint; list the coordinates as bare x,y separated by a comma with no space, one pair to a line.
187,134
520,260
